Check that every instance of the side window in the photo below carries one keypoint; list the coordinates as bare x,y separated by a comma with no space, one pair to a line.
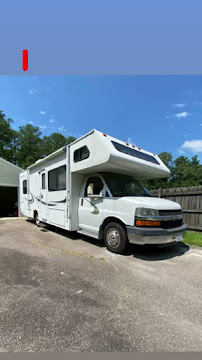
97,185
43,181
52,180
24,185
61,178
81,154
57,179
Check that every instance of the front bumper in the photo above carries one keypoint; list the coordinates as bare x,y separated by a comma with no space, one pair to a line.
142,236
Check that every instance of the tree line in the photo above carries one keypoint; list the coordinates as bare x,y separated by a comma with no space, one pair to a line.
25,146
183,172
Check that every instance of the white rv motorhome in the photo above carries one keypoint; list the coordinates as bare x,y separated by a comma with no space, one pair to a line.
93,186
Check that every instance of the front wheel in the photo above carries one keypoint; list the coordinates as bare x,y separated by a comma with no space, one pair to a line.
115,238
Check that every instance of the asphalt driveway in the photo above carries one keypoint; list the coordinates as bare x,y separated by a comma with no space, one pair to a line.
63,292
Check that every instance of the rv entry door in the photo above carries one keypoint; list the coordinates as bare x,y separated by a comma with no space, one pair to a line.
43,195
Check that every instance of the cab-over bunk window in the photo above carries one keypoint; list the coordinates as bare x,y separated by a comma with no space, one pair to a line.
127,150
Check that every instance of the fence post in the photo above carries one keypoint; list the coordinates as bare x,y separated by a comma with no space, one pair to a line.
160,192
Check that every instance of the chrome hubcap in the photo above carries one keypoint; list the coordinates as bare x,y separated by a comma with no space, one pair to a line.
113,237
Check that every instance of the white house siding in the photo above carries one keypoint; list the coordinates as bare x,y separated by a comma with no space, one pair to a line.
9,186
9,174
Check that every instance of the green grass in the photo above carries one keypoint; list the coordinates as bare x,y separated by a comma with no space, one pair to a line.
193,238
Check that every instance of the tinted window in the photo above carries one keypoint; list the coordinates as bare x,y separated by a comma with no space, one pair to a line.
81,154
97,185
24,187
57,179
61,178
127,150
43,181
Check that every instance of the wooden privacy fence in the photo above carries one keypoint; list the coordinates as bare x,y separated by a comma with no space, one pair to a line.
190,199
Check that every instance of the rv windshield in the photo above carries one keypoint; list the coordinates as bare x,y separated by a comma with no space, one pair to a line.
121,185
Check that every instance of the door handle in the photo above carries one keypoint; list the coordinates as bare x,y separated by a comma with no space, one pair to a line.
81,202
41,196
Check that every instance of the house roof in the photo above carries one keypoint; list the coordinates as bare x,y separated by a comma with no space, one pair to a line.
8,162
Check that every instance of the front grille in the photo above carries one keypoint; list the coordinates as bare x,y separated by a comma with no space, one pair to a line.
171,224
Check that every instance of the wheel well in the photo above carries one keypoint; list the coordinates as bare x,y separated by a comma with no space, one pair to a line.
107,221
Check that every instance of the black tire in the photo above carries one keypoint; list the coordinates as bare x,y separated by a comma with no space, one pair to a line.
115,238
37,221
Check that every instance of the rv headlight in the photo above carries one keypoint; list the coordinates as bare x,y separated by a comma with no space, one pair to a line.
143,212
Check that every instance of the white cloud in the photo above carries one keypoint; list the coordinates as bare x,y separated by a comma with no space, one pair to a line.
62,128
185,135
201,124
193,145
183,114
181,151
22,121
168,116
43,127
31,122
52,119
129,140
198,103
171,126
179,105
32,91
42,112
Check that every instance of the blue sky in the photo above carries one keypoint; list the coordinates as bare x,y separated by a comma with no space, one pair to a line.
157,113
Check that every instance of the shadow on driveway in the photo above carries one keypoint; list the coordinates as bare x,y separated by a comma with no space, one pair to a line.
73,235
144,252
156,253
